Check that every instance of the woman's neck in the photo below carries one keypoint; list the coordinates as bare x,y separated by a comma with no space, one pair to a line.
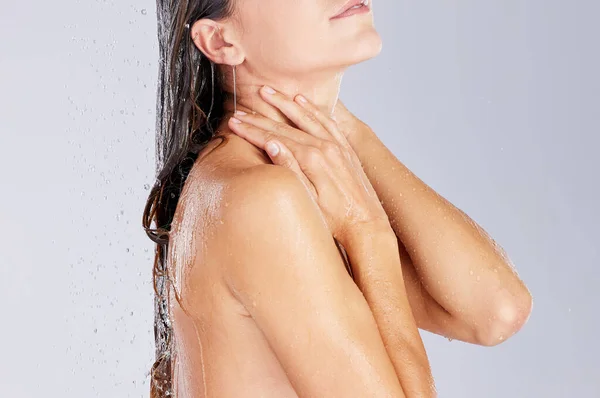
322,92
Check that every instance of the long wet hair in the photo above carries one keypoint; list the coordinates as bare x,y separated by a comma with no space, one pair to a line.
189,107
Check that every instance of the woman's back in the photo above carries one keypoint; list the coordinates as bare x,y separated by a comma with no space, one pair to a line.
218,349
267,302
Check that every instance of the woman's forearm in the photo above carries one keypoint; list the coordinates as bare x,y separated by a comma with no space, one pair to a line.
459,265
375,263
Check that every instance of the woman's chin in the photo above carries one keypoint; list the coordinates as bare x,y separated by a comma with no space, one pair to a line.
368,47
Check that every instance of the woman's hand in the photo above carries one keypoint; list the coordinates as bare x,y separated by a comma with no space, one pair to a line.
321,157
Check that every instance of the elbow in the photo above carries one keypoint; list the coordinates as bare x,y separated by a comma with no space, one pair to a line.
506,317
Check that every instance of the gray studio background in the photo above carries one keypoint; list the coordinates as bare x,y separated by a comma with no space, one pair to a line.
493,104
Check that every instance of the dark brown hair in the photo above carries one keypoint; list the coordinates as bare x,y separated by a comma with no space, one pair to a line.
188,85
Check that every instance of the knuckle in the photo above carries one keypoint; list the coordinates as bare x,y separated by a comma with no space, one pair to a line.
309,118
278,127
330,148
286,161
313,156
269,136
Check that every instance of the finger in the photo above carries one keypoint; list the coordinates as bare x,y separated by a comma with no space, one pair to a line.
282,156
310,164
332,126
259,136
325,120
305,121
277,128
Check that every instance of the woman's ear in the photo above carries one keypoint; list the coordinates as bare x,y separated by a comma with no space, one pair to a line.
217,42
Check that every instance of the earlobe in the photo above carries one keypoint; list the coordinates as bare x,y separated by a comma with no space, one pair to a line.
208,37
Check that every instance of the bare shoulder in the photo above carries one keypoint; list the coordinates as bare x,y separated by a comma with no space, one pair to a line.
270,178
282,264
265,205
254,192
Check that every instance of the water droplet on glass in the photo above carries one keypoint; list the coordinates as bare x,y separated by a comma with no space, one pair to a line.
144,12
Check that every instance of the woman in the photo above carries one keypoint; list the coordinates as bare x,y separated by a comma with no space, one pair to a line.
252,296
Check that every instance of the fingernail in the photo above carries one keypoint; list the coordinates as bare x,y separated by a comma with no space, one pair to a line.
272,148
269,90
236,121
301,98
242,113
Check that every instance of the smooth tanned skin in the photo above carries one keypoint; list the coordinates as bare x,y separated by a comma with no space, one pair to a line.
271,309
288,274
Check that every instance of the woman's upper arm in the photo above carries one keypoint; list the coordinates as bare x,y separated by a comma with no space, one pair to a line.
286,270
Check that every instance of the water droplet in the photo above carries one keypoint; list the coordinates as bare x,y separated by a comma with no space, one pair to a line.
146,186
144,12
